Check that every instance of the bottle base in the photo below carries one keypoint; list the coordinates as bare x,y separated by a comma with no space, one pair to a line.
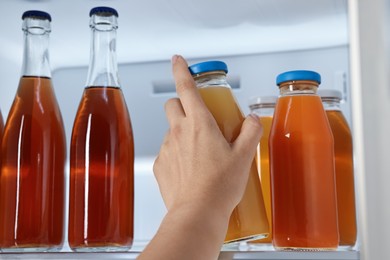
261,246
31,249
346,247
245,239
107,248
305,249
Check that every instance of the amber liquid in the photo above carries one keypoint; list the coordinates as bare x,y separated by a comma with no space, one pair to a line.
101,173
32,173
344,177
302,175
262,160
248,220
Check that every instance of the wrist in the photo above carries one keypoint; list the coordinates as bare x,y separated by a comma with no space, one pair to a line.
204,212
201,219
183,224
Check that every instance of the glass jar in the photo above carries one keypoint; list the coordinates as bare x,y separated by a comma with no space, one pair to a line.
343,152
263,107
248,220
304,208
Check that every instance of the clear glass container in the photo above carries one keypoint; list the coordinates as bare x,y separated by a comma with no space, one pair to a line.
263,107
32,188
304,208
344,166
1,136
101,197
248,220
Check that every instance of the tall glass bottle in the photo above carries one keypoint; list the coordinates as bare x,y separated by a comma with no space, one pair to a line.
248,220
304,208
33,151
1,136
102,150
343,152
264,107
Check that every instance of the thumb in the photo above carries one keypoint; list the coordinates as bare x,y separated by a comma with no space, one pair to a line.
249,137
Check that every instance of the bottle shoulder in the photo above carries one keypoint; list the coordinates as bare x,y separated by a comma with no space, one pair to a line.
303,115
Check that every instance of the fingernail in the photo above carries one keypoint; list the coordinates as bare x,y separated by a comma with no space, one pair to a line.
254,116
175,58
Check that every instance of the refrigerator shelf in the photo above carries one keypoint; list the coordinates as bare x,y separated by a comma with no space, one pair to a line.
225,255
237,251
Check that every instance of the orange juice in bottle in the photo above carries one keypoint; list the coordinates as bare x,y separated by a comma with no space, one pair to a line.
343,152
33,150
264,107
304,207
248,220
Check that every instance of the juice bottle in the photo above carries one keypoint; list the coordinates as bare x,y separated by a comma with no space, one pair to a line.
304,208
343,153
1,127
33,152
248,220
264,108
101,193
1,136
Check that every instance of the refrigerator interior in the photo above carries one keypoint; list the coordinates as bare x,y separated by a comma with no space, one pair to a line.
258,39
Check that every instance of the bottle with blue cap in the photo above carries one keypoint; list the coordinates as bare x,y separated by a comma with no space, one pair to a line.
33,152
248,220
101,201
304,207
343,149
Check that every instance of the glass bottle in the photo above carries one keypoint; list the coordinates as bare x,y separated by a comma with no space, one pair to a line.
102,150
33,152
264,107
1,126
1,137
248,220
343,152
304,208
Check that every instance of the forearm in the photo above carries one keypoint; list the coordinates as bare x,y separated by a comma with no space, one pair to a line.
188,233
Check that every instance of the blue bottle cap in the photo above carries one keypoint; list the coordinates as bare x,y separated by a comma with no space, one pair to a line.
208,66
298,75
36,14
103,10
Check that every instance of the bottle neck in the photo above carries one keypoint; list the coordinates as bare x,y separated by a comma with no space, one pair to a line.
301,87
211,79
331,104
36,48
263,110
103,67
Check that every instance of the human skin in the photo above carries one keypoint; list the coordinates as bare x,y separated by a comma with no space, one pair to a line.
201,176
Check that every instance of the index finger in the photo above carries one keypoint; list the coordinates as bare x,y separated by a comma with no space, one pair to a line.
186,89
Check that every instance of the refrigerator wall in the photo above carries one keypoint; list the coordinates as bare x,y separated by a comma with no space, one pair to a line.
370,88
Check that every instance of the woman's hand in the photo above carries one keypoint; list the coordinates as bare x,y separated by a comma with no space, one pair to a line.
201,176
196,165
